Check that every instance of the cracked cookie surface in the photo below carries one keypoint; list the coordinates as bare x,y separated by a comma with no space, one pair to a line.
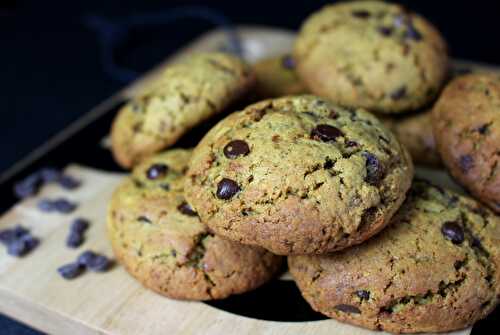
433,269
466,125
371,54
189,91
160,240
298,175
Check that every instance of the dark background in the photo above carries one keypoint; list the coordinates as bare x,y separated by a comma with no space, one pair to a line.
50,72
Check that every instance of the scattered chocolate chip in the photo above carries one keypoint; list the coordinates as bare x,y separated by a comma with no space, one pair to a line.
186,209
143,219
79,225
236,148
28,186
227,188
64,206
99,263
49,175
85,257
328,163
399,93
288,62
363,295
466,162
361,14
453,232
71,270
374,169
22,245
9,235
347,308
458,264
326,133
157,171
385,31
74,239
412,33
68,182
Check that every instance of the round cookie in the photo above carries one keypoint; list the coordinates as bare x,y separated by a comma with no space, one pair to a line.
189,92
371,54
466,125
414,131
161,242
434,269
298,175
276,77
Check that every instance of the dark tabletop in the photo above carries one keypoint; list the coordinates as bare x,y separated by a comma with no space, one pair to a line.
51,73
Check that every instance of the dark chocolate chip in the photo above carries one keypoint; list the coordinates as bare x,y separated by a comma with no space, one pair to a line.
74,239
22,246
79,225
227,188
483,129
49,175
333,115
45,205
156,171
288,62
28,186
385,31
328,163
236,148
466,162
374,169
453,232
458,264
363,295
347,308
186,209
85,257
64,206
361,14
143,219
71,270
326,133
412,33
68,182
399,93
99,263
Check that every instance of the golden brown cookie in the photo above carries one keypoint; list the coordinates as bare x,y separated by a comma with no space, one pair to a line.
371,54
190,91
276,77
466,123
298,175
434,269
160,240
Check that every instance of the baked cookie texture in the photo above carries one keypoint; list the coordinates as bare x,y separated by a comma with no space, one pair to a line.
276,77
161,242
190,91
298,175
434,269
371,54
466,125
414,131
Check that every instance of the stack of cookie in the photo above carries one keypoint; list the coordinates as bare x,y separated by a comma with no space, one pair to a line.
318,177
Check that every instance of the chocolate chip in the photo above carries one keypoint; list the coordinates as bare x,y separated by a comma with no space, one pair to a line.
85,257
68,182
453,232
49,175
45,205
79,225
74,239
165,187
361,14
333,115
385,31
22,246
413,33
347,308
466,162
236,148
326,133
99,263
399,93
143,219
71,270
483,129
227,188
186,209
458,264
363,295
7,236
64,206
328,163
156,171
374,169
28,186
288,62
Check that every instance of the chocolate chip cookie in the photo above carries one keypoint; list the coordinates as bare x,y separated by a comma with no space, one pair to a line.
467,131
298,175
189,92
160,240
434,269
276,77
414,131
371,54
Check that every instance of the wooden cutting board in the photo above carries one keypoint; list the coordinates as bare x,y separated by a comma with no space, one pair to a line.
113,303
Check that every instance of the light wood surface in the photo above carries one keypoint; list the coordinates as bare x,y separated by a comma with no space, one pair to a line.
113,303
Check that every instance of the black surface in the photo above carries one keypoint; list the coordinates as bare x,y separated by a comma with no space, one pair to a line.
50,71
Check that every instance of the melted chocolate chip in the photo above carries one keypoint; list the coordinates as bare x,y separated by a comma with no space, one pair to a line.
453,232
288,62
466,162
328,163
399,93
227,188
374,169
363,295
348,309
236,148
157,171
326,133
385,31
186,209
361,14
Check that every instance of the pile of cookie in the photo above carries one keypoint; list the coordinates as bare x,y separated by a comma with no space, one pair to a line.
319,168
